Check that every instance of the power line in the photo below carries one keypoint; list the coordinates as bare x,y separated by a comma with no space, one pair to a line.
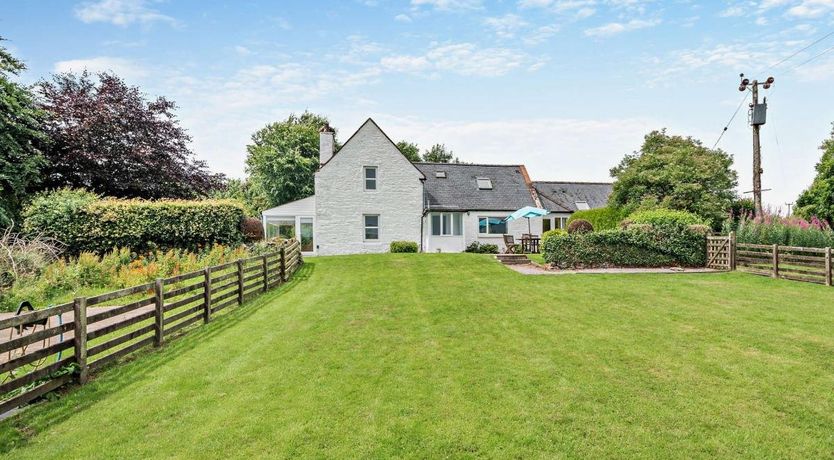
800,50
815,57
727,126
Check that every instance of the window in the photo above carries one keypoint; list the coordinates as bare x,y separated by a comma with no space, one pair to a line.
440,174
582,205
484,183
560,222
545,225
371,226
283,227
370,177
446,224
492,226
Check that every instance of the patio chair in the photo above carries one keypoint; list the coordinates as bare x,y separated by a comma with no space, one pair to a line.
510,246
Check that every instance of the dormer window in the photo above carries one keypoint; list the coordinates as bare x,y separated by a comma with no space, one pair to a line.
484,183
582,205
370,177
440,174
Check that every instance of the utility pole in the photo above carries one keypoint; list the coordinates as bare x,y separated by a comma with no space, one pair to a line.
758,117
789,205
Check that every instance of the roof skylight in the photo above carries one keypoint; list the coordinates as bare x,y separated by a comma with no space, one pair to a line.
484,183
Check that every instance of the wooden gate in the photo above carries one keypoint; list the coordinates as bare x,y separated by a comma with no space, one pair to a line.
719,252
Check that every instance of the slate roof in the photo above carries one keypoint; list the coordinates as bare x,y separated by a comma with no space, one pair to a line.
459,190
562,196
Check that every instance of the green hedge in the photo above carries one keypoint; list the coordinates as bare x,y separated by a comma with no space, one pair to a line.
403,246
663,216
601,218
85,222
645,246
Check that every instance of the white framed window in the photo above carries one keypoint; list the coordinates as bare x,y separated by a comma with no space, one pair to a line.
582,205
371,222
370,174
440,174
560,222
446,224
492,226
484,183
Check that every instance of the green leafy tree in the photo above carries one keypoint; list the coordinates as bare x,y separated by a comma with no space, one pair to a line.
818,199
254,201
283,157
410,150
676,172
438,154
20,160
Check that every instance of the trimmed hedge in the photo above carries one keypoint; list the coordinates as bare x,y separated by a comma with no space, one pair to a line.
85,222
482,248
600,218
403,246
663,216
649,246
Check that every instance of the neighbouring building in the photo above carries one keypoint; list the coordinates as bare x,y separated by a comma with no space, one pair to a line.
367,194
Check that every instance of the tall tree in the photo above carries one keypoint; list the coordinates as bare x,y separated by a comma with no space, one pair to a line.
678,173
104,136
438,154
283,157
410,150
818,199
253,199
20,159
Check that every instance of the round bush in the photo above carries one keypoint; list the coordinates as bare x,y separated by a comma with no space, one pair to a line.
580,226
253,229
403,246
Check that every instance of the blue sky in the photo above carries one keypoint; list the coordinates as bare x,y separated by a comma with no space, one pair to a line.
566,87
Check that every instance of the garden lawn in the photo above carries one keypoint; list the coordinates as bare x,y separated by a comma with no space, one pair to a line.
454,355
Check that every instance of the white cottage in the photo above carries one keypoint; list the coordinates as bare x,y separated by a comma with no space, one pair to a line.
367,194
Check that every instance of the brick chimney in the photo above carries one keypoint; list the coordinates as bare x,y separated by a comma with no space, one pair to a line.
326,141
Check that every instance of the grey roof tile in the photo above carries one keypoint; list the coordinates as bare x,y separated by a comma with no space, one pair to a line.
562,196
459,190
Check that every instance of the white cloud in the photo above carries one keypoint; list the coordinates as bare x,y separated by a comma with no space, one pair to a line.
731,12
812,8
461,59
614,28
541,34
505,26
448,5
120,66
242,50
402,18
120,12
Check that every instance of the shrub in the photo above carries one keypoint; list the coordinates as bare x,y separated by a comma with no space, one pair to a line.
481,248
403,246
580,226
84,222
648,246
253,229
552,233
661,216
600,218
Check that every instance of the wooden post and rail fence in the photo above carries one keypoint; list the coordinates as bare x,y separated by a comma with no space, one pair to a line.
787,262
49,348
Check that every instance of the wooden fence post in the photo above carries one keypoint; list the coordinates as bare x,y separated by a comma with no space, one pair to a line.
240,281
79,308
159,312
283,264
207,295
266,273
731,256
775,261
828,266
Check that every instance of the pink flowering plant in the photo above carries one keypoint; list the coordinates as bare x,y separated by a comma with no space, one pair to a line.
771,228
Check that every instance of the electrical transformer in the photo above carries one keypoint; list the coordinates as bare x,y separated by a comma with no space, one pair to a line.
758,114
